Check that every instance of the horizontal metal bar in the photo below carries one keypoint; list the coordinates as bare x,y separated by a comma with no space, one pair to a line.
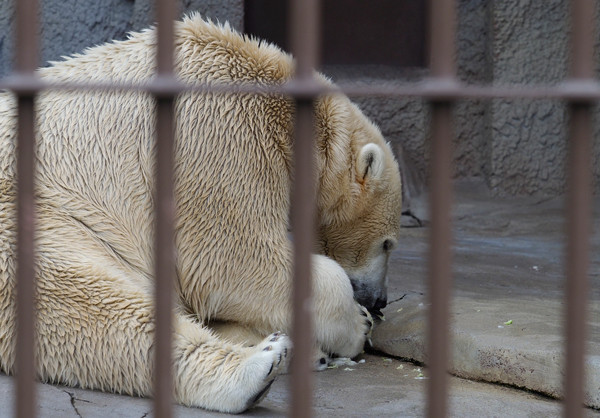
433,89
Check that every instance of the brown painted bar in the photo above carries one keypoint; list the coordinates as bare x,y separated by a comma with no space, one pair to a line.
578,226
302,216
26,47
25,370
304,37
442,36
165,213
440,258
579,203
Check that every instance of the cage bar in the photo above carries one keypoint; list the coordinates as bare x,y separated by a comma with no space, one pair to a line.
579,204
440,258
442,38
164,211
578,226
26,63
304,41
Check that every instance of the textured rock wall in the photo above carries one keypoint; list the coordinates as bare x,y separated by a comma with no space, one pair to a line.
70,26
527,143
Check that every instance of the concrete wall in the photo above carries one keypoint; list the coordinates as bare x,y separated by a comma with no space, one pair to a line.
528,138
516,147
69,26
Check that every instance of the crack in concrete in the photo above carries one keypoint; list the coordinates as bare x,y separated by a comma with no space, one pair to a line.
410,292
73,399
399,299
420,222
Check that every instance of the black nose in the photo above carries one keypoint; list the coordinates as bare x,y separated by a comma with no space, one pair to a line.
380,303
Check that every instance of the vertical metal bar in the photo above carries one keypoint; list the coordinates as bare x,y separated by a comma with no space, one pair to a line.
440,262
582,39
302,225
442,22
579,190
305,35
26,47
442,38
578,226
26,373
304,42
165,213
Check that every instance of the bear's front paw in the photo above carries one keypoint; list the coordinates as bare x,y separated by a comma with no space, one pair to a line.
346,336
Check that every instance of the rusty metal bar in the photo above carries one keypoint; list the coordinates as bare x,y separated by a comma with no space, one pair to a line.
442,38
165,213
579,203
26,47
304,18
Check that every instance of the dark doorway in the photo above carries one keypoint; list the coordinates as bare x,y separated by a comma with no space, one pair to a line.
354,32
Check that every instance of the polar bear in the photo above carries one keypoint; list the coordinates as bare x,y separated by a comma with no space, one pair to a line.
94,206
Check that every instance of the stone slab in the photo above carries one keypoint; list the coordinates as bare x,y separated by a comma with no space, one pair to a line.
508,267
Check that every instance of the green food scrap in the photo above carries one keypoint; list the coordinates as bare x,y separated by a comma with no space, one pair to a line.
509,322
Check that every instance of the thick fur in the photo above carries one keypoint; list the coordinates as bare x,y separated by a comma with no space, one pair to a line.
94,187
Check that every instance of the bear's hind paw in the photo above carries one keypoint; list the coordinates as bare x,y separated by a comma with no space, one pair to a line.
270,358
276,348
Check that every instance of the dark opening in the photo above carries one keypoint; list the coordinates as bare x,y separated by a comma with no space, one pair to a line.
354,32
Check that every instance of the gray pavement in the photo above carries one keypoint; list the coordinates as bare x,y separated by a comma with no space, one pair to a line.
508,303
508,267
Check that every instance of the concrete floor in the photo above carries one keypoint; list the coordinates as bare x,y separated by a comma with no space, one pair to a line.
508,266
380,387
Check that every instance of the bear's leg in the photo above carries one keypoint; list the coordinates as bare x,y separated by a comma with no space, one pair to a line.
341,324
96,329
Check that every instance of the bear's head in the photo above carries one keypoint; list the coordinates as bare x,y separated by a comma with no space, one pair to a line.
359,197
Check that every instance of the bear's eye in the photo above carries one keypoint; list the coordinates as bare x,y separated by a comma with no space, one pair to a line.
388,245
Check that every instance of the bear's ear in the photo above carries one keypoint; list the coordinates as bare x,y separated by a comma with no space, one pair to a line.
370,162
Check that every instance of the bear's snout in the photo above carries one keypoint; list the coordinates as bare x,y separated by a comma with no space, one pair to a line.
372,298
